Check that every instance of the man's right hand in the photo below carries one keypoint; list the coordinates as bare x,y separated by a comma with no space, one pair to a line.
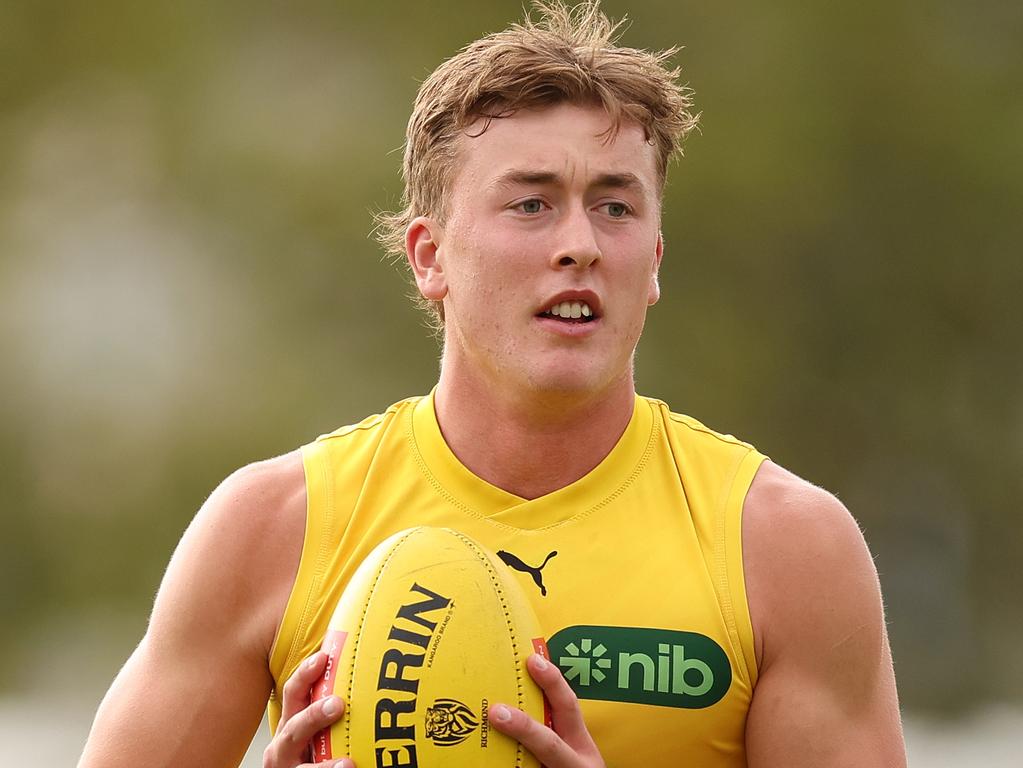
301,721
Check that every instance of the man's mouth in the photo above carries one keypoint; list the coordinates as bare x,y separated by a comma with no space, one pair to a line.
571,311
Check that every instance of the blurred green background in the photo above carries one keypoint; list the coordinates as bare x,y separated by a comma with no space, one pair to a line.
188,283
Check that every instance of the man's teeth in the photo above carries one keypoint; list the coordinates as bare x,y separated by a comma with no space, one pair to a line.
571,309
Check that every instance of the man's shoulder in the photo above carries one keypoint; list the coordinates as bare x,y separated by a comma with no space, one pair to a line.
263,487
231,572
781,497
272,492
261,508
804,558
786,512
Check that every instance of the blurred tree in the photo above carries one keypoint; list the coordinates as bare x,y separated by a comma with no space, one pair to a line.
188,283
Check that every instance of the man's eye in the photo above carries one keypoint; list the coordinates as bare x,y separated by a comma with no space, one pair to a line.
531,206
617,210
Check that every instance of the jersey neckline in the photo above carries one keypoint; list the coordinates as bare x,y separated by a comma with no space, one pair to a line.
480,498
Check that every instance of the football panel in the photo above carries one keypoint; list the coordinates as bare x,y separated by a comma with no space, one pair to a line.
428,634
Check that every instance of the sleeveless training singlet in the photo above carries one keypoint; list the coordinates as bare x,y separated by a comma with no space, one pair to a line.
635,570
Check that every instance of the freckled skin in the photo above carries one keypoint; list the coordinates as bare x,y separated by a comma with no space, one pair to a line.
502,259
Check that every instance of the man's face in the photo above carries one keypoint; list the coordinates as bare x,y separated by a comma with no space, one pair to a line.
548,258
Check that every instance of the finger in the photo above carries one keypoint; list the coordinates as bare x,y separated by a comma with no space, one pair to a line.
344,762
566,714
290,745
297,689
543,743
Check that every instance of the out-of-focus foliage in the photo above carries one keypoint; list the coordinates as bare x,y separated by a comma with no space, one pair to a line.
187,281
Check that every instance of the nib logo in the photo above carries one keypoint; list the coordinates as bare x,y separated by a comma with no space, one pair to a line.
663,667
580,668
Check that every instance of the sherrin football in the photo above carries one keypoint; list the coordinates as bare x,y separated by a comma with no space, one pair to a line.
430,631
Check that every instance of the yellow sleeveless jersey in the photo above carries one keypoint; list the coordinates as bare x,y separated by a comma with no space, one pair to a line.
635,570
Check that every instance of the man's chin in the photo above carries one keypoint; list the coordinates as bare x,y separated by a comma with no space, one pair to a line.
576,385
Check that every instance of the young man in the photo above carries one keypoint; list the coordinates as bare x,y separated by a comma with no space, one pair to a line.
740,603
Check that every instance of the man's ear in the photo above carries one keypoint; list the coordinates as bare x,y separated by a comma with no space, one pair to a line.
654,292
422,246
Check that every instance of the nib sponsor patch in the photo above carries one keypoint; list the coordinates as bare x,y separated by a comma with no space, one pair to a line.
664,667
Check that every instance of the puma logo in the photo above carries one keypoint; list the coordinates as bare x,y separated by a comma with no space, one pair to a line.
518,565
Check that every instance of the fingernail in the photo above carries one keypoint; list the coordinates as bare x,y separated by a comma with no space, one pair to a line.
344,763
311,661
539,662
501,713
332,706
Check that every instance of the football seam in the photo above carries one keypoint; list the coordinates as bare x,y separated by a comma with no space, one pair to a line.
496,584
350,683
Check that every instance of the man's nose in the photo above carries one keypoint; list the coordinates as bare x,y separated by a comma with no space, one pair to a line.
576,241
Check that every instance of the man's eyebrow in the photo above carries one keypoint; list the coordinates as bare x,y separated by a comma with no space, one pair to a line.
625,180
516,177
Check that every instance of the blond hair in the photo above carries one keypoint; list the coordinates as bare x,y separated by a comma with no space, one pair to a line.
568,55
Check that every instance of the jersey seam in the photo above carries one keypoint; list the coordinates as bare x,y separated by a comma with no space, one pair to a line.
721,566
316,579
370,422
724,519
360,427
696,427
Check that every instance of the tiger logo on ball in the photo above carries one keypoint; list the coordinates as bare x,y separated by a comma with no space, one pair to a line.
449,722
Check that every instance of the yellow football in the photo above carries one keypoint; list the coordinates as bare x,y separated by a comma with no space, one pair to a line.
428,633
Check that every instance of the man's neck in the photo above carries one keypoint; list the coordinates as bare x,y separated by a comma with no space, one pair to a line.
530,444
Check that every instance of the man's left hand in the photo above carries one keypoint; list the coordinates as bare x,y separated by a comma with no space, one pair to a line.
568,744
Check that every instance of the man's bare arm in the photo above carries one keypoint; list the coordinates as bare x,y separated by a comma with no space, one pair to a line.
194,690
826,693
